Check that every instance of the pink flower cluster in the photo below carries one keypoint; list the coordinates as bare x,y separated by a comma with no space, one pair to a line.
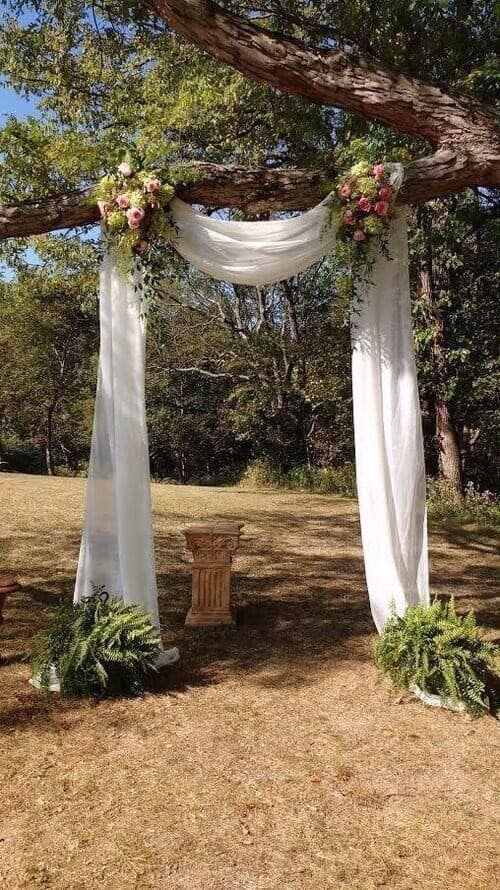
359,206
133,216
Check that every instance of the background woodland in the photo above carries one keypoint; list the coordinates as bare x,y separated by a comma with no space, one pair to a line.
239,380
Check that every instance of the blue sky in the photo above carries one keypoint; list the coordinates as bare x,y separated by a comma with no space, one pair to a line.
12,103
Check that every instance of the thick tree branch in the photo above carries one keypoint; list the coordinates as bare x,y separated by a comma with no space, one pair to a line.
331,77
467,152
215,186
254,191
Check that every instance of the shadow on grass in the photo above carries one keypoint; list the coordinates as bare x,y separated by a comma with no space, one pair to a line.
298,613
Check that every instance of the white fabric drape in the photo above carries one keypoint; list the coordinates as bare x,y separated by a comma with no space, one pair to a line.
117,541
390,471
254,253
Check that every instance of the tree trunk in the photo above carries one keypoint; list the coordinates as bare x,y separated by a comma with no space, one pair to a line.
447,441
450,463
293,325
49,443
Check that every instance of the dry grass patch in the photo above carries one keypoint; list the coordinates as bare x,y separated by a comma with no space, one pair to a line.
270,758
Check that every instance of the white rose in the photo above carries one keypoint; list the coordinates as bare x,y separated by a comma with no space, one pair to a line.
125,169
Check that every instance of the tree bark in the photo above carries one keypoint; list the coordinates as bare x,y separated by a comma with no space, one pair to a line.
450,462
293,325
49,457
253,190
345,80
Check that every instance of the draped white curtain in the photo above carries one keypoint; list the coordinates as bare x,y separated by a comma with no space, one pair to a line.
390,470
117,541
117,546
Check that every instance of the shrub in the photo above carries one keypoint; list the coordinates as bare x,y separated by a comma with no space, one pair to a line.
261,473
99,647
442,653
318,480
482,507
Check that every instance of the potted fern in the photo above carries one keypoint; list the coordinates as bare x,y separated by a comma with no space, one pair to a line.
98,647
440,656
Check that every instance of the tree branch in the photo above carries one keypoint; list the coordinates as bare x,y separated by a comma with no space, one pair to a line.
328,77
253,190
214,374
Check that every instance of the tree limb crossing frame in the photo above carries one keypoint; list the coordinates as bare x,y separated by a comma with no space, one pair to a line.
460,130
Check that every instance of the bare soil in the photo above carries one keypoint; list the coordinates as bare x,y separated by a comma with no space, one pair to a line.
269,757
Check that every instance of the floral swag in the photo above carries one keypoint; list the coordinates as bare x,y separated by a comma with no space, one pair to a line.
134,207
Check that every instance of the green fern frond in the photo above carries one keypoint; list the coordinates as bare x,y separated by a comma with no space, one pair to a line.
99,647
436,649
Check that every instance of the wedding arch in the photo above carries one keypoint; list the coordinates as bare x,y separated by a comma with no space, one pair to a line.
117,544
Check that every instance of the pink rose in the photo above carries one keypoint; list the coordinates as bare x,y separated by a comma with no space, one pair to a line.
385,193
125,169
381,208
349,218
359,235
345,191
142,247
379,171
104,208
365,204
134,217
152,185
123,202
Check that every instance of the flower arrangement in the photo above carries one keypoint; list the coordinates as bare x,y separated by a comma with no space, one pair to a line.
133,205
364,204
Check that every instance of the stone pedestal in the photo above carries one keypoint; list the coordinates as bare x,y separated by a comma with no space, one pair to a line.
212,545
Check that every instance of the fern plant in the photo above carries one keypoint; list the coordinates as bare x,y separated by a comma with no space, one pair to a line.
442,653
99,647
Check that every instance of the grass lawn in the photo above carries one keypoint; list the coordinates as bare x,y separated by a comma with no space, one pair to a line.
271,759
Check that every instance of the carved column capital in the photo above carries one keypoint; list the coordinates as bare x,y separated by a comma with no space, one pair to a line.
212,545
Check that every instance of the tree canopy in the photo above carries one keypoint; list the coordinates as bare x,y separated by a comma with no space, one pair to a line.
253,108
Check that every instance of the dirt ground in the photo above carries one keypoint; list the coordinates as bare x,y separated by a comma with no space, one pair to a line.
269,757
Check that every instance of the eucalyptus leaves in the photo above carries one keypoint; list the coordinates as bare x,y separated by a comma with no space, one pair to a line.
134,208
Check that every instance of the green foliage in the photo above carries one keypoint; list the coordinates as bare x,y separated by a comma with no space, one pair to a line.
441,652
478,507
325,480
48,341
100,647
454,245
319,480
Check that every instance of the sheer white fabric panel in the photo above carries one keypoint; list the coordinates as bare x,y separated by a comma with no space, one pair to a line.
252,252
390,470
117,542
117,548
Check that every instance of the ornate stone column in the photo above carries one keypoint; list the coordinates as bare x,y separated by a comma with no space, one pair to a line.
212,545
